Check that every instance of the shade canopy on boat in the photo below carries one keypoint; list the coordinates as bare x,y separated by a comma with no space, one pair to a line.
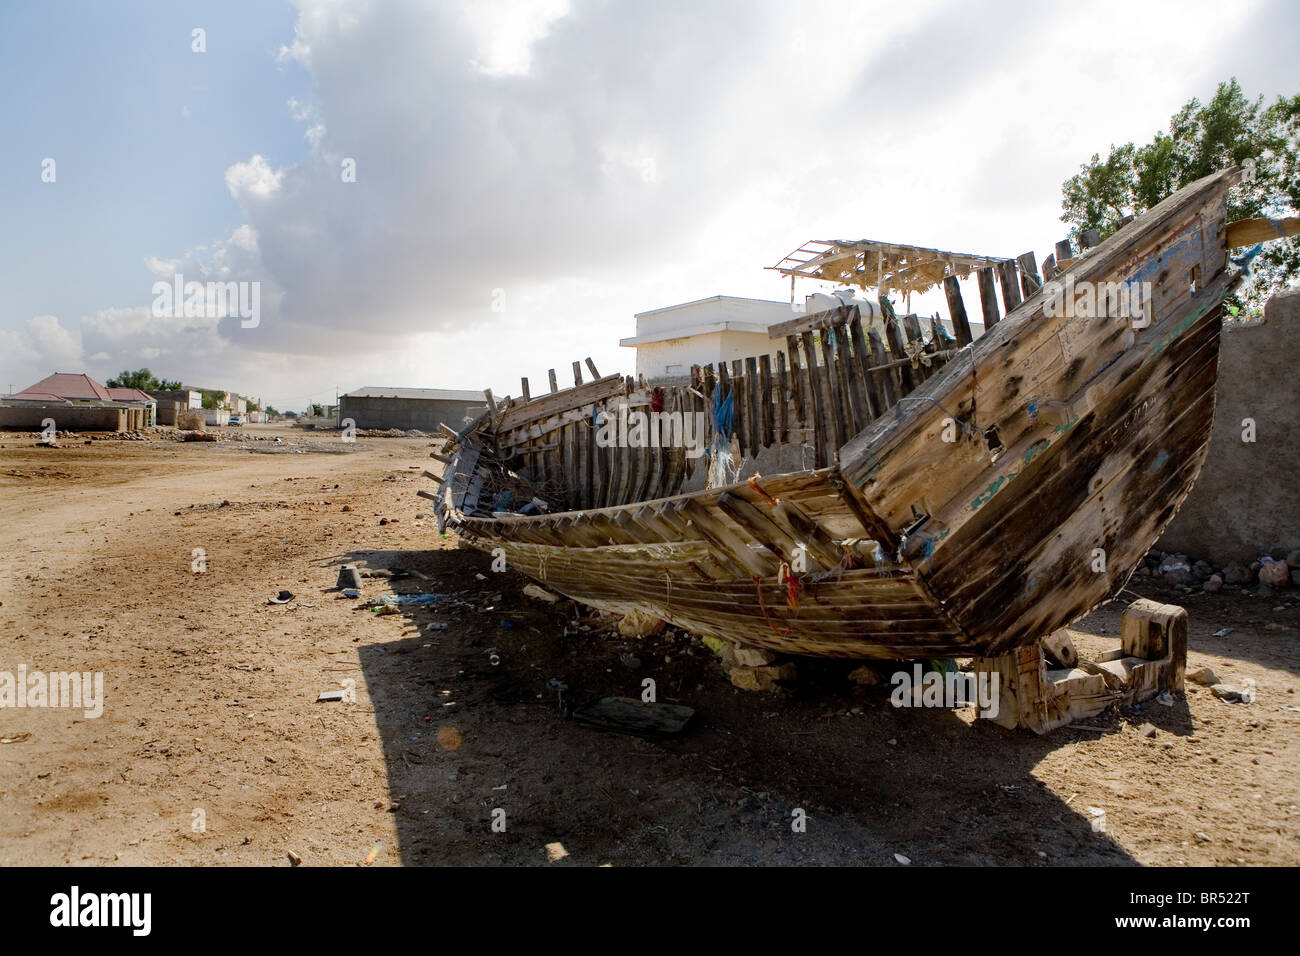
886,266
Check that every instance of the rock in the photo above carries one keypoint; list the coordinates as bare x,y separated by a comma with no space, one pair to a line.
1202,569
1295,577
902,859
640,624
349,577
294,858
752,656
761,678
383,521
1275,574
865,676
1213,585
1235,574
1202,837
540,593
1293,559
1203,675
1230,693
1148,730
1174,569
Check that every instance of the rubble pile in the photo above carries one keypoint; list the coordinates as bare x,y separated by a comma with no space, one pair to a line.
1269,573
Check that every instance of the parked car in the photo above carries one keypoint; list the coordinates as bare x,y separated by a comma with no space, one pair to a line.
235,420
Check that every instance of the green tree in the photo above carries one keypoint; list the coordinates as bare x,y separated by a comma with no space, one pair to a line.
1230,130
144,380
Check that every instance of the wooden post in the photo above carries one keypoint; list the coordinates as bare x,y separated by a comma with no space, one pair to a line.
957,311
1064,250
783,400
1030,282
1010,286
554,386
1091,238
591,366
577,374
897,352
523,385
765,396
820,407
988,297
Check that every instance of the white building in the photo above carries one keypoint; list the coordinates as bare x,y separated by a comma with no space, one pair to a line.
669,341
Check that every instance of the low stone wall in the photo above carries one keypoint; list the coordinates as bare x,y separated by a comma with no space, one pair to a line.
73,418
1243,506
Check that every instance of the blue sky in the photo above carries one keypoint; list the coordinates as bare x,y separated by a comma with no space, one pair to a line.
587,160
141,129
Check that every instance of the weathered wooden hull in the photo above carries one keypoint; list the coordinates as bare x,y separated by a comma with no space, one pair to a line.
1076,439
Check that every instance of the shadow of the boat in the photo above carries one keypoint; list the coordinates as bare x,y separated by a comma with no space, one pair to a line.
469,743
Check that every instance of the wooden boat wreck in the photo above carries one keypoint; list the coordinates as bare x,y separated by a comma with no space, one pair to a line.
934,495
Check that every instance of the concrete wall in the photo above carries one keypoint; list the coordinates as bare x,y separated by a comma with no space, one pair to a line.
168,410
1245,503
422,413
74,418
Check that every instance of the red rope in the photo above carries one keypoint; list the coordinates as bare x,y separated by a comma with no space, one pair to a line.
792,587
758,587
753,483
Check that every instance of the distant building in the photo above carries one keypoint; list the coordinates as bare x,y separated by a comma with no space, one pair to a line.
74,401
133,396
172,405
70,386
422,408
670,340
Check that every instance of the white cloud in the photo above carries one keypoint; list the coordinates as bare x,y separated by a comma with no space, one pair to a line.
504,32
254,179
58,346
161,268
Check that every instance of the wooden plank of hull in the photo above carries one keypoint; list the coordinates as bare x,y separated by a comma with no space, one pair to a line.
545,406
1113,484
1006,362
862,613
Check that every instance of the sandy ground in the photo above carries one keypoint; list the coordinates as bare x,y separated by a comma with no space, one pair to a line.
212,748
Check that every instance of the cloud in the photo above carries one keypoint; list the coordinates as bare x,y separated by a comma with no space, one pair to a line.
162,268
253,181
595,160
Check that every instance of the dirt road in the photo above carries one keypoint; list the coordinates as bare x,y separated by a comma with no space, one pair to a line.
212,749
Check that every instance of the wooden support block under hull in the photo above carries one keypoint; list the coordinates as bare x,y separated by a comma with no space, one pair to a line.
1152,658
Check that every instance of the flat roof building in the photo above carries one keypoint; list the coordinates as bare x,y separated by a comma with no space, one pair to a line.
670,340
406,408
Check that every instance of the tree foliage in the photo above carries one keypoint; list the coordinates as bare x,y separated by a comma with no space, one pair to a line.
1230,130
144,380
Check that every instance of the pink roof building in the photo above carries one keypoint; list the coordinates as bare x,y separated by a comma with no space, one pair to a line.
129,395
77,386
